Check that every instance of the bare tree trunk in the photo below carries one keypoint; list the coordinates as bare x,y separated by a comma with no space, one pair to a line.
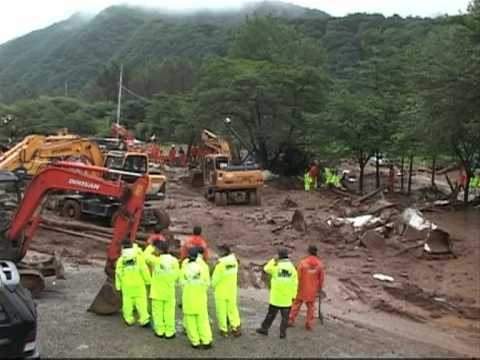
362,168
410,172
467,188
434,171
402,174
377,170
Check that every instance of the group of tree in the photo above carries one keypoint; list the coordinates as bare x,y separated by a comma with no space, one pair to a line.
402,89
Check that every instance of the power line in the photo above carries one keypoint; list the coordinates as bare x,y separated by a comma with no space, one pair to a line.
136,95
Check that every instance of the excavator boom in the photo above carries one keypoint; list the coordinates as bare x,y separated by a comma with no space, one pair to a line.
74,176
36,151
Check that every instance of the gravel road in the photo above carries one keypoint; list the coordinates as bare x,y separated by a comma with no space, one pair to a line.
67,330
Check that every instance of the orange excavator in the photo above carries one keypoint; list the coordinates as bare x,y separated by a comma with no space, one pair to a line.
18,226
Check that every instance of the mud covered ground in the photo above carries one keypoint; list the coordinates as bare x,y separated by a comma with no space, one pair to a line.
432,299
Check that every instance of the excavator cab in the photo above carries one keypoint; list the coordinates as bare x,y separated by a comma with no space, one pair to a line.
129,162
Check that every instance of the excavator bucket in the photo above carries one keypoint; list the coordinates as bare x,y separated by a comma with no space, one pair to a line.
438,242
107,301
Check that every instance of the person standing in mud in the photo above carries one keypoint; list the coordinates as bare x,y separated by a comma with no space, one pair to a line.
307,180
283,289
165,273
196,240
156,236
132,278
195,280
224,283
314,173
310,282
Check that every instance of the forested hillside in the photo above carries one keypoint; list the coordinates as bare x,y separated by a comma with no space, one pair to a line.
75,50
294,81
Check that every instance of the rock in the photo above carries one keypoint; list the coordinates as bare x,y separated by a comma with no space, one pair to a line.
373,241
370,259
298,221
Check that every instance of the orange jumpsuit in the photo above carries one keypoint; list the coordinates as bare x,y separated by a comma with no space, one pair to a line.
172,156
314,172
154,237
194,241
310,281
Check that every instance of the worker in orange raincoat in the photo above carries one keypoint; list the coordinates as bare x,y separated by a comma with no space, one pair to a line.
314,173
157,235
194,241
172,155
310,281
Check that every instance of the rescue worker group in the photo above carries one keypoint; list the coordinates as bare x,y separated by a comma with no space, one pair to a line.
154,273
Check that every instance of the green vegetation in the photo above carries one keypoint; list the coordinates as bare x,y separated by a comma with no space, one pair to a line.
295,82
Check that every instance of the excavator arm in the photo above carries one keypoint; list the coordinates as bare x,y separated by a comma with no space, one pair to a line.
21,153
215,143
74,176
36,151
79,147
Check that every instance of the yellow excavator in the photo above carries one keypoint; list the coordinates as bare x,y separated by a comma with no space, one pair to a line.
225,182
36,151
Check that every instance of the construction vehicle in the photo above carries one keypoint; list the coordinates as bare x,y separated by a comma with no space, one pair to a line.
128,141
36,151
130,166
18,316
225,181
18,225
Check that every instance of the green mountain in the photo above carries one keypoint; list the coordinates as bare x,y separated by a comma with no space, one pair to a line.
75,51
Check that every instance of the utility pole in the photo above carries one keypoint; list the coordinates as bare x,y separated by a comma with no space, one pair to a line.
120,86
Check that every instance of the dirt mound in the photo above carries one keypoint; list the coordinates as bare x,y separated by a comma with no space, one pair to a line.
437,305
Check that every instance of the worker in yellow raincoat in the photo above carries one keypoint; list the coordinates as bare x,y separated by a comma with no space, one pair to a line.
165,273
131,278
195,279
224,283
283,290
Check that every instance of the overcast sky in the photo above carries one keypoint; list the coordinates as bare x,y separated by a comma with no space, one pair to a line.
18,17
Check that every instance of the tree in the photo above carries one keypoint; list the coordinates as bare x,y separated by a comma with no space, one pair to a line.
352,120
450,85
273,79
268,100
170,118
